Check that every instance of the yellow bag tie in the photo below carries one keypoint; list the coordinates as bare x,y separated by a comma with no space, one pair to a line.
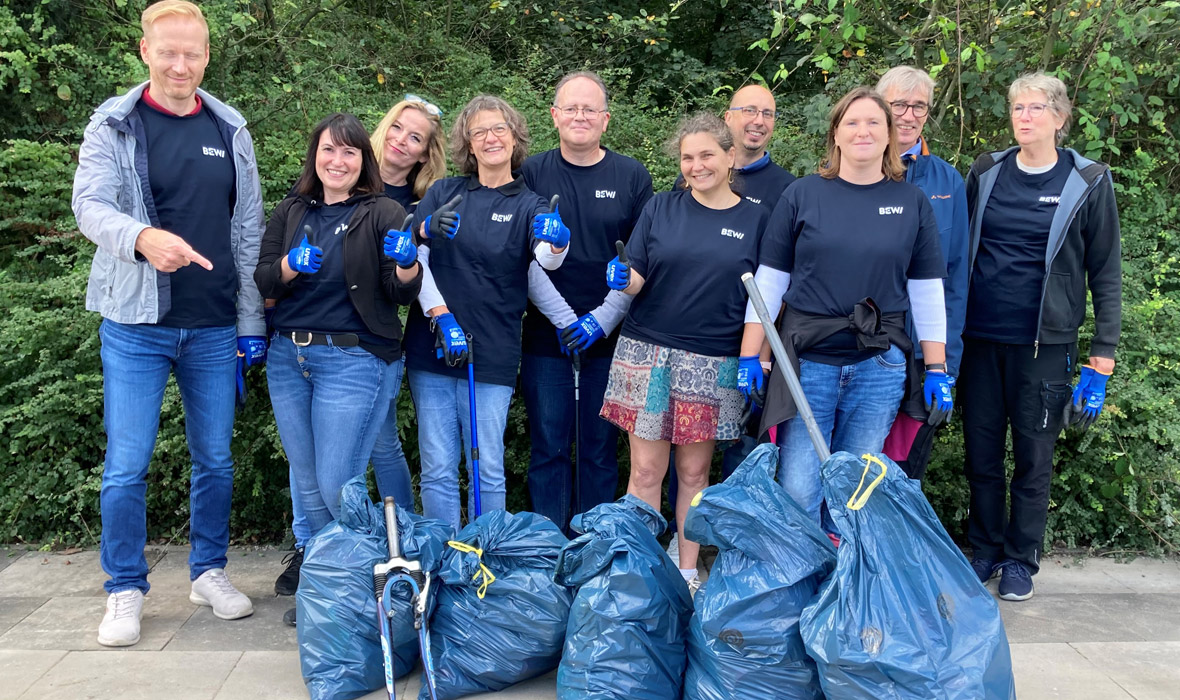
484,571
855,503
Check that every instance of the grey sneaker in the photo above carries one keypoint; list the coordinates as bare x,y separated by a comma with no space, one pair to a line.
213,588
120,624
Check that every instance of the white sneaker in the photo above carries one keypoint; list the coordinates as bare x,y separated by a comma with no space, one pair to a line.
120,624
213,588
673,550
694,585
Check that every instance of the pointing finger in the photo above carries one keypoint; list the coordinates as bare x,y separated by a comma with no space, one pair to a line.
193,256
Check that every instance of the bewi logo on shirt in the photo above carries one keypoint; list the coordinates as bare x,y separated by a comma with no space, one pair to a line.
340,229
755,201
604,194
730,233
885,211
210,151
501,218
1049,200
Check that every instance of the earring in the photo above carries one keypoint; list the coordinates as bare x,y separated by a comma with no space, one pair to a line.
731,176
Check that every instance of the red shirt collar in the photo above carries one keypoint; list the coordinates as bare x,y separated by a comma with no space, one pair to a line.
147,98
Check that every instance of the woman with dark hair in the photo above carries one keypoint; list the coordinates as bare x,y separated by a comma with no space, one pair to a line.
476,283
853,248
338,261
673,379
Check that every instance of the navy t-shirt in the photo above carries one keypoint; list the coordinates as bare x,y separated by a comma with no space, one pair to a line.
692,259
761,182
402,194
1005,296
843,242
192,177
600,203
482,273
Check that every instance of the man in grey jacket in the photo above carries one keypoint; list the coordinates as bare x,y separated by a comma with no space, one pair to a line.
168,190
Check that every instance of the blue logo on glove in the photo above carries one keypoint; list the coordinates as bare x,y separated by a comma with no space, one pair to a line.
550,228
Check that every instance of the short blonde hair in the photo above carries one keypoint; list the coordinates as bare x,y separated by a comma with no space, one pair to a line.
172,8
461,142
891,166
422,175
1054,91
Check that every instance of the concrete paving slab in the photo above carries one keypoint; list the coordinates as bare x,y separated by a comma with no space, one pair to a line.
539,688
150,675
1142,575
1045,671
1061,575
50,575
1111,617
252,571
21,669
262,631
8,555
13,610
71,623
264,675
1146,670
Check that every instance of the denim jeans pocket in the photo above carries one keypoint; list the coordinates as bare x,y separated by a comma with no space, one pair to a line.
354,351
893,358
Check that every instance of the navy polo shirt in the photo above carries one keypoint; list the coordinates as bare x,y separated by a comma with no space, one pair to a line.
192,178
1005,297
600,203
692,259
482,273
761,182
843,242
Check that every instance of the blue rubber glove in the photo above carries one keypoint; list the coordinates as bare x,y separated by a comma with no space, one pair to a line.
550,228
240,397
1088,398
305,257
580,336
937,390
444,221
618,272
252,348
565,350
399,245
750,378
450,342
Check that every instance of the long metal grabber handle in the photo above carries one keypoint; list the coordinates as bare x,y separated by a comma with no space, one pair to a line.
788,370
395,545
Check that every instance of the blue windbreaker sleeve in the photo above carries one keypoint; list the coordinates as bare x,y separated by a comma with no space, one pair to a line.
957,281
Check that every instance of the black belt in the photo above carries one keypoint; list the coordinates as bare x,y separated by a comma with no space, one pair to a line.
305,338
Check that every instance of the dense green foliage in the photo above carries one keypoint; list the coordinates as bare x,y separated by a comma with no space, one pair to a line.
286,63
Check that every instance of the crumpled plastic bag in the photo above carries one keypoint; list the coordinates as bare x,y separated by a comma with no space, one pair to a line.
628,622
339,641
744,640
500,617
903,616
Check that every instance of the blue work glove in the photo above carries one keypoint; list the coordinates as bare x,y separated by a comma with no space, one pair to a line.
240,397
1088,397
750,378
937,390
580,336
399,245
565,350
618,272
444,221
305,257
550,228
450,342
251,351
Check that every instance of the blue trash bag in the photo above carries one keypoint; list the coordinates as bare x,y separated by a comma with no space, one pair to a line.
500,617
628,623
339,641
744,640
903,616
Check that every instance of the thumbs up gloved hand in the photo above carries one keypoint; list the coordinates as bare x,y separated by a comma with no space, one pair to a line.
1088,398
618,272
450,342
550,228
399,245
305,257
444,221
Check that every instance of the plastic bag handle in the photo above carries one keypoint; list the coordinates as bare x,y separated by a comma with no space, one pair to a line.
855,503
484,571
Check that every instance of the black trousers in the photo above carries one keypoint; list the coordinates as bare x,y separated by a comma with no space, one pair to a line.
1002,385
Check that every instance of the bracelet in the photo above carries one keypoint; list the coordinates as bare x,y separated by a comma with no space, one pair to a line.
936,366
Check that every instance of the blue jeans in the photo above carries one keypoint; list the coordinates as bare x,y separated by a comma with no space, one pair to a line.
853,405
328,403
548,384
136,362
444,429
389,461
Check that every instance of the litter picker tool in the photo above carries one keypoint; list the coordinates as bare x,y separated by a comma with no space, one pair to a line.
386,575
474,475
576,358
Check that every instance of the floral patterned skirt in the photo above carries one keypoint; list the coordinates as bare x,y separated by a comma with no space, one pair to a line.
661,393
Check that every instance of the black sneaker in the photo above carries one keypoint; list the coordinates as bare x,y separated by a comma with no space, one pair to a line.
985,569
1015,581
289,618
288,581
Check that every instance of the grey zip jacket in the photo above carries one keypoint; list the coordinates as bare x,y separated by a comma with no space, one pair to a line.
1083,249
113,204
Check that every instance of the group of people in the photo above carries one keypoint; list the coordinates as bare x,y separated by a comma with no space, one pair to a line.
892,279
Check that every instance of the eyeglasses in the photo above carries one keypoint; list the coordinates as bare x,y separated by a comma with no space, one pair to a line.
1035,109
500,130
751,111
899,108
431,108
589,113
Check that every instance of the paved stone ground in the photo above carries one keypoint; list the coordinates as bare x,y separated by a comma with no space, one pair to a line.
1096,630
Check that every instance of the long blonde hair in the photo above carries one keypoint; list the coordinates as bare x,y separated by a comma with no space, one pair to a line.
891,165
422,175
